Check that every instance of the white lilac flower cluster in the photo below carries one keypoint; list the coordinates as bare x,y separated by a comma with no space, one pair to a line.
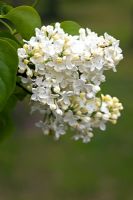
64,73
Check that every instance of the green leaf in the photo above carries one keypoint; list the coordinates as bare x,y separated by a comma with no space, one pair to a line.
6,34
6,123
14,44
20,93
71,27
25,19
4,8
8,70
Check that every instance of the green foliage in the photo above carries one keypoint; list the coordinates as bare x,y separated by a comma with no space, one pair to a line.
4,8
25,19
7,34
6,122
20,93
8,69
11,39
71,27
13,43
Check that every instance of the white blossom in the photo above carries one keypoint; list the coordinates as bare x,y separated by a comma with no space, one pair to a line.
65,73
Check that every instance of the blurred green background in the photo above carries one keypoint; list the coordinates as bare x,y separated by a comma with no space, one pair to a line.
33,166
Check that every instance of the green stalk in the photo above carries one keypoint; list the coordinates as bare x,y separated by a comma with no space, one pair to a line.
7,26
35,3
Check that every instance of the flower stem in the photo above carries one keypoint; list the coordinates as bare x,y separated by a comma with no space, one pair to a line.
35,3
7,26
24,88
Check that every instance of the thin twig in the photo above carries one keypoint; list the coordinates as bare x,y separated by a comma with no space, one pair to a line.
24,88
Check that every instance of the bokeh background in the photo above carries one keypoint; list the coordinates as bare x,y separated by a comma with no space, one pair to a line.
33,166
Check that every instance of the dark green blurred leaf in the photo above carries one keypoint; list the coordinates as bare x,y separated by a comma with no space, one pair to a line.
20,93
8,69
6,123
13,43
6,34
25,19
4,8
71,27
